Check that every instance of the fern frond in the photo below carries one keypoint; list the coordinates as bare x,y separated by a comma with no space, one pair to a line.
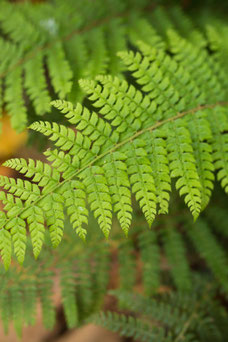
161,320
131,143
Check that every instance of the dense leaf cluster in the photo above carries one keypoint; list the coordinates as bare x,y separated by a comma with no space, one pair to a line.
154,118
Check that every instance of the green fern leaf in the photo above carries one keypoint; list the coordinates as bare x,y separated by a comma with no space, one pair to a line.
135,141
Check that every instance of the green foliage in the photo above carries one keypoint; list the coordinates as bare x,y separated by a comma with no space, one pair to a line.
134,139
167,252
82,283
44,55
169,318
154,118
159,260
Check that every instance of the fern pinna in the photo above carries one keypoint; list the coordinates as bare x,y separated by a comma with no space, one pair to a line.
169,122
